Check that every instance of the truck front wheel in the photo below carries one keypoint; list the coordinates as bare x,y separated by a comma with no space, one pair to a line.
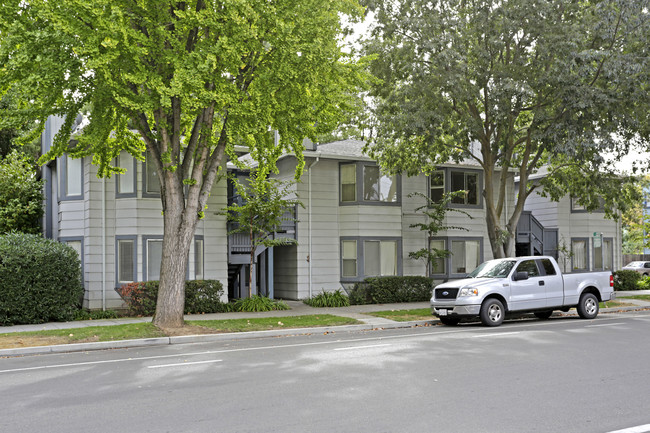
588,306
492,312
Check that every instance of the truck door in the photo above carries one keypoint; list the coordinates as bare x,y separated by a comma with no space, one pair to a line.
553,282
528,294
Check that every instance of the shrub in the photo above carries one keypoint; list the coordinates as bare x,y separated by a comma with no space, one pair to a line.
258,303
329,299
40,280
21,195
201,296
626,280
386,290
643,283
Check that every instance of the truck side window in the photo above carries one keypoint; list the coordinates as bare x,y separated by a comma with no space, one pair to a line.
548,267
528,266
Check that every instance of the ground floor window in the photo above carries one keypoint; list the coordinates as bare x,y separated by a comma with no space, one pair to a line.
198,258
465,254
125,252
603,254
152,255
580,257
370,257
77,244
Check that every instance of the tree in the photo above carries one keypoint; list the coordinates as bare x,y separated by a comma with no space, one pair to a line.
21,195
183,80
636,221
264,203
435,213
513,85
11,129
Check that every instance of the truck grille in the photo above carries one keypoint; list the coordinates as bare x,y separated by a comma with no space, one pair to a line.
446,293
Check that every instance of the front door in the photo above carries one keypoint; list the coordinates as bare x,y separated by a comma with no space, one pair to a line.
528,294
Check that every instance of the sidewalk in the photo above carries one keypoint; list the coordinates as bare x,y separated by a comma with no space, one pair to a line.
297,308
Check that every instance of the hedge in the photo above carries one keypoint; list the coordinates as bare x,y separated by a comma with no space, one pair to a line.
201,296
386,290
40,280
626,280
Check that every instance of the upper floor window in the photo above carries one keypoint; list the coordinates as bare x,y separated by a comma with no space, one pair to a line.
577,207
72,178
452,180
365,183
126,181
151,180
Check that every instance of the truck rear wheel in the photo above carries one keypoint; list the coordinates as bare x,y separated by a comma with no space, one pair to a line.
492,312
588,306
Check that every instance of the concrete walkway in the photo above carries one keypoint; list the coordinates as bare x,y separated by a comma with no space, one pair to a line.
297,308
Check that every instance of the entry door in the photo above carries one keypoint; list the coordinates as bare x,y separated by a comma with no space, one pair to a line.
528,294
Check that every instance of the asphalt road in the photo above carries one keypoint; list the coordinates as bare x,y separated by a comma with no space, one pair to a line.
559,375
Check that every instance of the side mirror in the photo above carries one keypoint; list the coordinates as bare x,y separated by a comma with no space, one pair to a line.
521,275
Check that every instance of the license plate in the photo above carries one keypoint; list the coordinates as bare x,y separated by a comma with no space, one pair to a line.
442,312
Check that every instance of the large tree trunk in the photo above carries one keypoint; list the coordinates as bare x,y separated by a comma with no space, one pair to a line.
180,221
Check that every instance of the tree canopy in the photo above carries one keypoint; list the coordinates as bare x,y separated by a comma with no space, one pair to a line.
184,80
513,85
21,195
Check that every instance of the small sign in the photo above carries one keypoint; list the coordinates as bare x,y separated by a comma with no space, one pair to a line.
598,240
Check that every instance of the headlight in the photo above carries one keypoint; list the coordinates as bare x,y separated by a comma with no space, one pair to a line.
468,291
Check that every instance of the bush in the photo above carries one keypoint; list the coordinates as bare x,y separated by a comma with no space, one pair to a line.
258,303
40,280
21,195
329,299
643,283
201,296
626,280
386,290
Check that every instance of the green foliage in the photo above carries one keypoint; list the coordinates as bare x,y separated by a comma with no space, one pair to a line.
636,223
643,283
329,299
95,315
185,81
626,280
21,195
40,280
513,85
435,213
201,296
258,303
386,290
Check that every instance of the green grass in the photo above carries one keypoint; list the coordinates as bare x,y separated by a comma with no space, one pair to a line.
615,304
267,323
405,315
148,330
641,297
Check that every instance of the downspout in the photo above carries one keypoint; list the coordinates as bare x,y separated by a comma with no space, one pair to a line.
309,218
103,244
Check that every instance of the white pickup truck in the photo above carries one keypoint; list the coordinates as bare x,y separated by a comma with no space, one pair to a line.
517,285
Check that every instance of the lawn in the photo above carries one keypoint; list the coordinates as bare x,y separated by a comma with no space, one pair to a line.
405,315
147,330
641,297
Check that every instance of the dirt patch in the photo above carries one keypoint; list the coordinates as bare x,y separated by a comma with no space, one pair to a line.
31,341
189,330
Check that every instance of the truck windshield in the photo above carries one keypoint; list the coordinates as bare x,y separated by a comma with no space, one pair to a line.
493,269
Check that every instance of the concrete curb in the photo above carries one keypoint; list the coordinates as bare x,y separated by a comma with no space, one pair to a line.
234,336
203,338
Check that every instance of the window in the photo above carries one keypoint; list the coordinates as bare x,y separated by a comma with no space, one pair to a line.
437,185
77,244
549,269
374,188
349,258
126,181
151,180
125,252
438,266
575,206
603,259
465,256
348,182
380,258
468,182
452,180
198,258
152,258
528,266
377,186
579,251
72,178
